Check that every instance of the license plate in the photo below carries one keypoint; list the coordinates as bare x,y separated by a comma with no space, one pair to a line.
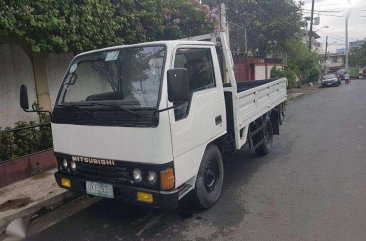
99,189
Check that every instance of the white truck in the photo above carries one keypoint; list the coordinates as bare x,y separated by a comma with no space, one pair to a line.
148,123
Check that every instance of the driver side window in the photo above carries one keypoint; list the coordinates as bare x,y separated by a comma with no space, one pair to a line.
198,62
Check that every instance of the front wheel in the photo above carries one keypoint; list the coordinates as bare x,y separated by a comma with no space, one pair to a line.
209,178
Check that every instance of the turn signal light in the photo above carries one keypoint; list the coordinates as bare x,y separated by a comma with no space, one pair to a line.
167,179
65,182
145,197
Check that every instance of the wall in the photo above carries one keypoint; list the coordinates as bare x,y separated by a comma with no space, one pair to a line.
339,63
56,67
15,69
260,72
26,166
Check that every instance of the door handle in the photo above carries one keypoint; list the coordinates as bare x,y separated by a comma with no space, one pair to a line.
218,120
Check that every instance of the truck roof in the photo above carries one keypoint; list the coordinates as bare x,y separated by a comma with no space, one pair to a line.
170,43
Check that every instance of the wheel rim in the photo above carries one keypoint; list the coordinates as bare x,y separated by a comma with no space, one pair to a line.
268,136
211,177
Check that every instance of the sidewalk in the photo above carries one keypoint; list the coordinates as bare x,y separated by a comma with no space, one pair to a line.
26,198
296,93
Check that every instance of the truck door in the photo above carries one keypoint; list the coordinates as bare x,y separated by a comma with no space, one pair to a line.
203,118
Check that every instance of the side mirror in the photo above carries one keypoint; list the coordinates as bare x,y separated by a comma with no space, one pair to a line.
178,85
24,97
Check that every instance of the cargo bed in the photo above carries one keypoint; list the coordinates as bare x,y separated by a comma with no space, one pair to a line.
250,100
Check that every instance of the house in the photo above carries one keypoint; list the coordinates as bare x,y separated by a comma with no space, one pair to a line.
315,45
254,68
334,61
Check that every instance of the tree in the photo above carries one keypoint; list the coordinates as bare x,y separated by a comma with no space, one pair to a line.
269,23
75,25
302,61
45,26
358,57
60,25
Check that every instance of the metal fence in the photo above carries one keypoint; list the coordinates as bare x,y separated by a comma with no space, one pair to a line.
24,140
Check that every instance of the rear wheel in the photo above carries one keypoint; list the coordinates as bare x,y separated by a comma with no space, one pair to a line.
210,178
282,113
265,147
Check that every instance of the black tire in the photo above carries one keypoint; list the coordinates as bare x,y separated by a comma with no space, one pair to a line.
265,148
209,178
282,113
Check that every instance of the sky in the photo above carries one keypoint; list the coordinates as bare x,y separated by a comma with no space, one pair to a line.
332,14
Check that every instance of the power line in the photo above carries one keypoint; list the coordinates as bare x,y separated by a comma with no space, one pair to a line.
336,38
323,11
330,15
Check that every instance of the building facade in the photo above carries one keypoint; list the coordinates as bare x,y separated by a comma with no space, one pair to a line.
356,44
333,62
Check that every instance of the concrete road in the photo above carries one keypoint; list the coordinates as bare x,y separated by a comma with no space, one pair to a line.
312,186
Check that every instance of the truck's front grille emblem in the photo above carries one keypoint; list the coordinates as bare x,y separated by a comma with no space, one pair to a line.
97,161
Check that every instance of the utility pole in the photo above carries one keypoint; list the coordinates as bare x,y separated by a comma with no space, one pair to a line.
325,54
311,23
347,48
326,50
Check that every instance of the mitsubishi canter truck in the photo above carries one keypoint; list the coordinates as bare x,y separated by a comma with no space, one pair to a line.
148,123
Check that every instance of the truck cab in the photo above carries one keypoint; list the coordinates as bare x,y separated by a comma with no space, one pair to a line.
111,121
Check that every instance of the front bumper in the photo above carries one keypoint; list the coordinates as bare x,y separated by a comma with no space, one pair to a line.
163,200
335,83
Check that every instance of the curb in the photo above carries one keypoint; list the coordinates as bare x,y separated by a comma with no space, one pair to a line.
28,212
294,98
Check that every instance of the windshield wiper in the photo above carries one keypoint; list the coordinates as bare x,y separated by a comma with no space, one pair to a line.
119,107
77,107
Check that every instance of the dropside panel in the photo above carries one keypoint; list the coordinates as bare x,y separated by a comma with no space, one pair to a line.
255,102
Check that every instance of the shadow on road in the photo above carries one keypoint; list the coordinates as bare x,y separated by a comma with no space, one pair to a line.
113,220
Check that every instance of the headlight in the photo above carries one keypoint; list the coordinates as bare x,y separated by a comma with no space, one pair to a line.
136,175
64,164
151,177
73,165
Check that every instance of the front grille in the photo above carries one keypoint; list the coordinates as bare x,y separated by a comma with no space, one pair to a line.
110,174
119,174
104,117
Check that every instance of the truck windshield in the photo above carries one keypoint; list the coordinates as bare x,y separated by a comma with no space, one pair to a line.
129,76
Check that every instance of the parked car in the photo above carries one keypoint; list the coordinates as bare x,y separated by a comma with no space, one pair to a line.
330,80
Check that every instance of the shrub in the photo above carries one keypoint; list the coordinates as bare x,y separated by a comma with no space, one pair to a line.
19,143
313,75
287,73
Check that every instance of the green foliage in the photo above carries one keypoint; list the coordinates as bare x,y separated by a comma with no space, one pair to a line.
269,23
314,74
302,61
287,73
26,141
60,25
76,26
358,57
